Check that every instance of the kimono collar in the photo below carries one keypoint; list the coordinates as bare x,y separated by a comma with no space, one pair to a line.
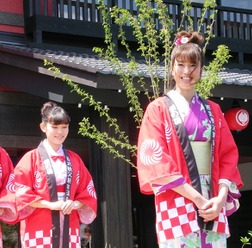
51,181
50,150
188,152
182,105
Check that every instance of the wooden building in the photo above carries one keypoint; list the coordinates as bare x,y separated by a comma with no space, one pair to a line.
65,32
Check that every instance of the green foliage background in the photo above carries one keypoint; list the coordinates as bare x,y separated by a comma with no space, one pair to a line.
154,46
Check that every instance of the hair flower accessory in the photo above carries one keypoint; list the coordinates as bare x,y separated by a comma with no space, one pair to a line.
181,40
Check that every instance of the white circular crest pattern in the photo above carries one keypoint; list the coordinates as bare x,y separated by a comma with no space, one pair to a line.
38,179
90,189
168,132
20,189
150,152
11,183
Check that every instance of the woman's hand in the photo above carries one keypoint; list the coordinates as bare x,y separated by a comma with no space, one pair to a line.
65,206
47,204
190,193
212,208
70,205
56,205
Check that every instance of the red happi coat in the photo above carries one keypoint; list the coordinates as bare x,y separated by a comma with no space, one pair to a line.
31,185
160,155
8,212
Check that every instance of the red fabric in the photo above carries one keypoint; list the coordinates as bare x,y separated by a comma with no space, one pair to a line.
237,118
157,122
160,156
8,211
61,188
32,185
61,158
226,153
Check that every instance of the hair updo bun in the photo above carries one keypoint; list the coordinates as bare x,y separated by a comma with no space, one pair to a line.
193,37
54,114
187,48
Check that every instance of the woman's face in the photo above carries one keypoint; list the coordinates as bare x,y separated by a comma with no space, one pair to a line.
55,134
186,74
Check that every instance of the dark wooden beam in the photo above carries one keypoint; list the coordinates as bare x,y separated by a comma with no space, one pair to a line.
11,19
233,91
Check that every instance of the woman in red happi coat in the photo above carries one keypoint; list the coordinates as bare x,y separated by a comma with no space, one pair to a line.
187,157
54,190
8,213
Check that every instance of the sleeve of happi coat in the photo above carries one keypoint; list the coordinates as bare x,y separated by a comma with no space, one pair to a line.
228,154
8,211
24,184
85,192
154,159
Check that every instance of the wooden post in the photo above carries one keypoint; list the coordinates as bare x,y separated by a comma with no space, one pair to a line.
112,178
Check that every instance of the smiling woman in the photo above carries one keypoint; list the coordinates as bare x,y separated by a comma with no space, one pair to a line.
178,132
54,183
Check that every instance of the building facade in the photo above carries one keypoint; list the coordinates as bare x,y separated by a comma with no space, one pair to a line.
65,33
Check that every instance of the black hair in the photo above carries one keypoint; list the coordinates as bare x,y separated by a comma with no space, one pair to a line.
187,51
54,114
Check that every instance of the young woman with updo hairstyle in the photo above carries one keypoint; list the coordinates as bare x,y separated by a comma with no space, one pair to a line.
54,190
187,157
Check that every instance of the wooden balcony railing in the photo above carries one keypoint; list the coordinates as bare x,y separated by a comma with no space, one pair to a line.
229,23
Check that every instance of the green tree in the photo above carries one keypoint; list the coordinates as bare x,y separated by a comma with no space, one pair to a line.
153,32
